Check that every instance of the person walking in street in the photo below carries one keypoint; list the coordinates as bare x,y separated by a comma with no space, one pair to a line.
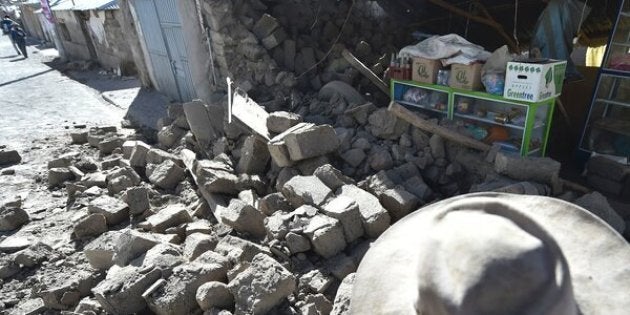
19,36
7,27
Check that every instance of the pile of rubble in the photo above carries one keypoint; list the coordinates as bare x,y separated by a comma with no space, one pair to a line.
216,218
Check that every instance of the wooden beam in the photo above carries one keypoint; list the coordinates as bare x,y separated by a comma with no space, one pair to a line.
357,64
408,116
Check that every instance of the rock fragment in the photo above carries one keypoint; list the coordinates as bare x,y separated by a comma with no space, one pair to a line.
93,225
214,294
114,210
8,157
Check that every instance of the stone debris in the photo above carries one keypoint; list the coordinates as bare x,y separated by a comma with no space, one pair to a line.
598,204
114,209
92,225
214,294
121,291
301,190
279,122
8,157
12,216
344,295
166,175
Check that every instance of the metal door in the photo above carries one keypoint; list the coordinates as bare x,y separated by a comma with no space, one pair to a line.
161,27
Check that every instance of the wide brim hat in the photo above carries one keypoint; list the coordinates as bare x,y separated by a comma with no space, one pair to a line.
598,258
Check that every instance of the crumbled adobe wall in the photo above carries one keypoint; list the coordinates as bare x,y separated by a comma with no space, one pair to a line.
271,67
75,47
111,47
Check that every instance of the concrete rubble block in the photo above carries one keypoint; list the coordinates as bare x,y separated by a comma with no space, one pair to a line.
100,252
332,177
214,294
343,298
237,249
279,152
8,267
542,170
340,266
168,217
87,306
77,284
12,217
138,157
121,291
121,178
377,183
262,286
8,157
157,157
349,93
199,243
276,38
265,26
346,210
166,175
254,156
200,122
218,181
243,218
279,122
108,145
29,307
14,243
315,304
608,168
34,255
131,244
399,202
276,226
127,148
354,157
271,203
297,243
62,161
79,137
418,187
98,179
113,162
199,226
361,113
137,198
178,294
315,281
301,190
437,147
94,139
169,136
59,175
385,125
597,204
307,141
93,225
307,167
163,256
374,217
604,184
326,235
381,160
114,210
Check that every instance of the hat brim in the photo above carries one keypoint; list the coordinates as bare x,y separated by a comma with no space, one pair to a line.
598,257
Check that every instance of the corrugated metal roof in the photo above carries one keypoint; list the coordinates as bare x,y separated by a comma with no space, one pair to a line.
83,5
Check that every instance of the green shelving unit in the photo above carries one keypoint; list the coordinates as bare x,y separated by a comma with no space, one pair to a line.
523,127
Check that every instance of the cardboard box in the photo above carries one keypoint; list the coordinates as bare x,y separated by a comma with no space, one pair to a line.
425,70
534,80
466,77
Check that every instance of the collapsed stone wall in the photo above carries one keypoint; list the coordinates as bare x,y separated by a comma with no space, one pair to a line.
273,49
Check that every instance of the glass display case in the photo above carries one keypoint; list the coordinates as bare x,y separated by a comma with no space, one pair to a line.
518,127
607,129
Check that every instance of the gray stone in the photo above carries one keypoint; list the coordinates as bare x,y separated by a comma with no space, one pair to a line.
274,39
543,170
12,218
79,281
88,306
341,266
114,210
315,281
437,147
332,177
127,148
307,141
279,122
214,294
350,94
243,218
79,137
289,54
138,157
346,210
121,291
384,125
98,179
265,26
272,203
278,150
166,175
199,243
163,256
168,217
131,244
361,113
121,178
137,198
418,187
178,295
297,243
100,252
239,250
108,145
608,168
309,190
354,157
315,304
262,286
254,156
326,235
381,160
201,123
200,226
220,181
29,307
277,226
157,156
307,167
604,184
57,176
93,225
62,161
374,217
597,204
8,157
342,304
14,243
8,267
169,136
33,255
399,202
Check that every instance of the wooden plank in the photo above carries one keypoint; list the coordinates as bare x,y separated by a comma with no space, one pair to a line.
357,64
407,115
